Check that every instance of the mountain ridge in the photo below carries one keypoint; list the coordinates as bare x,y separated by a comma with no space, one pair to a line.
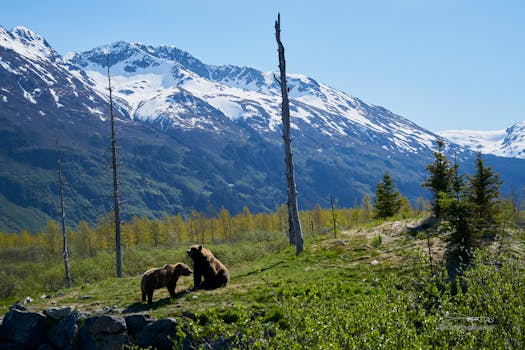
505,143
191,136
260,93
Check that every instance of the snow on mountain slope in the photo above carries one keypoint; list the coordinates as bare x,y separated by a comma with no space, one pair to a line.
482,141
514,142
156,82
27,43
504,143
32,71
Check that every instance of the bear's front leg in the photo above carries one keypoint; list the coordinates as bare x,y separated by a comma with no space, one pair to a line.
171,289
196,280
150,296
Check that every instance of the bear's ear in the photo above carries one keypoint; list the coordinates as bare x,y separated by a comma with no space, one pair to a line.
200,248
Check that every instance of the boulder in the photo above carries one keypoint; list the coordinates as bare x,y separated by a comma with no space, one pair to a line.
157,334
58,313
64,335
25,328
135,323
18,307
103,332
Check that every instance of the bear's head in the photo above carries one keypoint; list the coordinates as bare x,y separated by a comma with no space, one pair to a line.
182,269
195,252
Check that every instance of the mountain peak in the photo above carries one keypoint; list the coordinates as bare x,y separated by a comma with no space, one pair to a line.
26,34
27,43
503,143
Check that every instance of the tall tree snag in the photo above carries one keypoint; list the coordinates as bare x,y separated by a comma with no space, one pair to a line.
65,253
295,231
334,221
115,179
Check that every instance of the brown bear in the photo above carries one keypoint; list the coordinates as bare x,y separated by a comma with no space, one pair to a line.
207,266
165,276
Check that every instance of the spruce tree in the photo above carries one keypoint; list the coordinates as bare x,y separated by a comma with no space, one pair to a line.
457,209
440,178
483,191
387,199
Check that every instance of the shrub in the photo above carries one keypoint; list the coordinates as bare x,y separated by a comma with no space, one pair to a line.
377,240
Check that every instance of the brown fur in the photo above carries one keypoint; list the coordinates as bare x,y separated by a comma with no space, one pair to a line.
166,276
207,266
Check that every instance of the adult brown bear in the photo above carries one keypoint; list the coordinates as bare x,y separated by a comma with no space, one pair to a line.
166,276
207,266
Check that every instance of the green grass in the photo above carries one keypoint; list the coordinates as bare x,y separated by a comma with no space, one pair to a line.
340,293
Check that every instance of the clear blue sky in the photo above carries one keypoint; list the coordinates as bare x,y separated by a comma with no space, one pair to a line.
444,64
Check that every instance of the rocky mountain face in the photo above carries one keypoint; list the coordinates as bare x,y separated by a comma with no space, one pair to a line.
190,135
168,87
505,143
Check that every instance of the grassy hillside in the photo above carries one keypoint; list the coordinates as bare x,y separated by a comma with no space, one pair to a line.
367,288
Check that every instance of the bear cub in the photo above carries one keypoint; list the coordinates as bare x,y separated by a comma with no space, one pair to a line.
166,276
207,266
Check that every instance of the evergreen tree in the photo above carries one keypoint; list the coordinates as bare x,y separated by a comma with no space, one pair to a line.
387,199
457,181
483,191
440,177
457,209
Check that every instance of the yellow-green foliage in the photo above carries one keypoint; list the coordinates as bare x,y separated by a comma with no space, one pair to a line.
196,227
91,247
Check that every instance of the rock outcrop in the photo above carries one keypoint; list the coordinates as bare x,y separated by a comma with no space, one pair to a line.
68,329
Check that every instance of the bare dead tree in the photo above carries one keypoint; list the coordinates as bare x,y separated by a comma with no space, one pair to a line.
334,221
65,253
115,180
295,231
429,246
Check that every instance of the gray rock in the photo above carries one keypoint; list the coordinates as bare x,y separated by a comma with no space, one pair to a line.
58,313
135,323
18,307
64,335
103,332
84,315
115,341
106,324
26,328
156,334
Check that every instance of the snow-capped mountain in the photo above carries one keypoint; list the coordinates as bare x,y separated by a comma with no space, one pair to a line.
156,83
33,73
505,143
191,136
27,43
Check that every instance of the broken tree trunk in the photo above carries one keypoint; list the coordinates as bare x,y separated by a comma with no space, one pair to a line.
115,180
333,215
65,253
295,231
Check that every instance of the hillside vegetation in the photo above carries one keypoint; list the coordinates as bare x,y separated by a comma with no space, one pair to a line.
371,286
